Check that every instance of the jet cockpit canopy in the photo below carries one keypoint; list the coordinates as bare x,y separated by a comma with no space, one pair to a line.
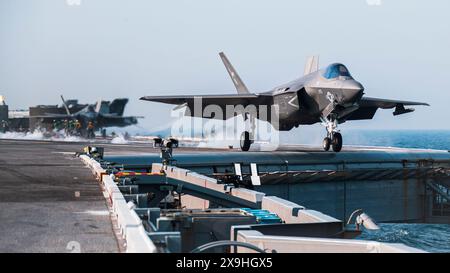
336,70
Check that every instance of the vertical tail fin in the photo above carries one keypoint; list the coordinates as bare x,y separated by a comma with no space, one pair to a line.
65,105
312,65
238,83
98,105
117,106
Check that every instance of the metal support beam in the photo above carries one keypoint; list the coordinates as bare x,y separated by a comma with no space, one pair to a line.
220,198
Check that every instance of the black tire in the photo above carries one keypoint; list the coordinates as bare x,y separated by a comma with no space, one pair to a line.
326,143
245,141
337,142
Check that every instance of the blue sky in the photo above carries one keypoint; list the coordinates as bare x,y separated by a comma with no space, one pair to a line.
116,48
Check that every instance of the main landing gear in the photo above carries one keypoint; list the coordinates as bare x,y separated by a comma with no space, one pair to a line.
333,138
245,141
248,135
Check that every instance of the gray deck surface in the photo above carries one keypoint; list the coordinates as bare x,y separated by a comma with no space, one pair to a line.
39,210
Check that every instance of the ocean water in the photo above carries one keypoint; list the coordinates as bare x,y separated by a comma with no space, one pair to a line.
429,237
430,139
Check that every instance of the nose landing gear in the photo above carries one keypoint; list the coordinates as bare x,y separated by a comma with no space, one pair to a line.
333,138
326,143
335,142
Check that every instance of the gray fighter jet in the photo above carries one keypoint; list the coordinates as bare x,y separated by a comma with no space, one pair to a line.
100,115
330,96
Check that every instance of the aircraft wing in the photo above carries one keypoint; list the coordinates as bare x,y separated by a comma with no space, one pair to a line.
106,120
219,100
231,99
53,116
368,106
386,104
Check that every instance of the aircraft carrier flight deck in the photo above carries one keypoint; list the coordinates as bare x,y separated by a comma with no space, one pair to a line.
52,202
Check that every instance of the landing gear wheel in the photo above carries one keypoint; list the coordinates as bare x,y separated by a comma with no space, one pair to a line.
245,141
326,143
336,143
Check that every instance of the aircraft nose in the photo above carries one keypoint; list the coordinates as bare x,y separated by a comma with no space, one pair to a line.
353,90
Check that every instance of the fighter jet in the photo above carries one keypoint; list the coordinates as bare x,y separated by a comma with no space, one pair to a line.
98,115
330,96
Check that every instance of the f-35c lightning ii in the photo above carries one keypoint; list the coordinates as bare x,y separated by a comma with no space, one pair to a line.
329,95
